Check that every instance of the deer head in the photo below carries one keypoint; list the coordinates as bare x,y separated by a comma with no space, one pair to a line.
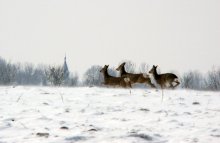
153,70
121,66
104,69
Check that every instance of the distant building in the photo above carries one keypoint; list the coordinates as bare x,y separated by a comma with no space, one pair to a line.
65,71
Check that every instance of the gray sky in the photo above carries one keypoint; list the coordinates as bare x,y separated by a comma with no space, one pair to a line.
177,35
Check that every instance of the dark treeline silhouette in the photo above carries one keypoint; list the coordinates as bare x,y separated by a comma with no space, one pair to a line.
28,74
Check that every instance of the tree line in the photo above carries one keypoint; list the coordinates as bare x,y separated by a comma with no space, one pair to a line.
28,74
45,75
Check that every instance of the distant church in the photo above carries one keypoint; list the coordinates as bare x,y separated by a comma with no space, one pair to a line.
65,71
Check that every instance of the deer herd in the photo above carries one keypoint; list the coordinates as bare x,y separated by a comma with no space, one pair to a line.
126,80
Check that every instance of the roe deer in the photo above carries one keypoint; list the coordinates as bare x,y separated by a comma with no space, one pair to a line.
114,81
163,79
134,78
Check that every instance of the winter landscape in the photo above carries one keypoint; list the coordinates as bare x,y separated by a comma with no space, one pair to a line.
109,71
99,115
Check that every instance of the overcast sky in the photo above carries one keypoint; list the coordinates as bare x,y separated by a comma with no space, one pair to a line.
177,35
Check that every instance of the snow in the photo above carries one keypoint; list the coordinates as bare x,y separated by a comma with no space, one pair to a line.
107,115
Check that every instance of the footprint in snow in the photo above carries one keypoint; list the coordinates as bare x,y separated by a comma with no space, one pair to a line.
142,136
76,138
217,136
45,103
64,128
45,93
10,119
67,110
196,103
46,135
144,109
187,113
93,130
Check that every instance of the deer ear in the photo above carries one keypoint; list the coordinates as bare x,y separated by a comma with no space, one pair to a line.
107,65
156,66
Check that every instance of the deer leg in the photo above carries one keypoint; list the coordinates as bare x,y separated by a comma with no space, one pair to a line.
129,86
151,84
162,92
177,83
171,85
148,83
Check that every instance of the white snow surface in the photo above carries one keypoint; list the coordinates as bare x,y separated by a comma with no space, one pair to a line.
108,115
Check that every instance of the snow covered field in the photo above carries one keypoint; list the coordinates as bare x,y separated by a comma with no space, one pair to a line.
105,115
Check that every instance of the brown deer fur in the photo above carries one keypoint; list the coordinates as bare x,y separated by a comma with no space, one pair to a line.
114,81
135,78
164,79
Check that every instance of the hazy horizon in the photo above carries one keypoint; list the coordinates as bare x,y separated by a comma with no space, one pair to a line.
177,35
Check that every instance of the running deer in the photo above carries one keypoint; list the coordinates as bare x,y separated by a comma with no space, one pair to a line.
134,78
165,79
114,81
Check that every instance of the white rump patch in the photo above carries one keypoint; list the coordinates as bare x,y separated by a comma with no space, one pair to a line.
127,79
175,81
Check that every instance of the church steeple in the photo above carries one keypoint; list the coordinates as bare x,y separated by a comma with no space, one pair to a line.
65,69
65,58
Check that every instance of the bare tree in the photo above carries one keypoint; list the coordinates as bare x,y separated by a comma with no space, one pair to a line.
28,73
112,72
213,80
193,80
55,75
41,75
73,79
92,76
7,72
144,68
186,80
